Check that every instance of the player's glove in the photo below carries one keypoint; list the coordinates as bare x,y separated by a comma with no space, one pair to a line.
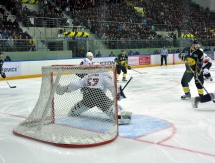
118,63
129,67
181,56
197,73
3,74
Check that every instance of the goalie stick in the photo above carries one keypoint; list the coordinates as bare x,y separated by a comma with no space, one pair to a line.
127,83
9,84
139,71
121,93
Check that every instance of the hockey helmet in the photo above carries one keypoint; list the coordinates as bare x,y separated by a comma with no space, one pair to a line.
89,54
195,42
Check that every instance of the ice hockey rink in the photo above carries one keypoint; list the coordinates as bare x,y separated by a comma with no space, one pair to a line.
164,129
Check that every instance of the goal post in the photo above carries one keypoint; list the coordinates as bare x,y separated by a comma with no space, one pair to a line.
81,118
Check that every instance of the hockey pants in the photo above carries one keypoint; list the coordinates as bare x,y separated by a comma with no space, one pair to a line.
187,77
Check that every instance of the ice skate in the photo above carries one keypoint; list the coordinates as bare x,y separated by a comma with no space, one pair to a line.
211,79
186,96
195,102
124,79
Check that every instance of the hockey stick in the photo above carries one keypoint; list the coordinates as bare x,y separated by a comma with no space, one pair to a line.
9,84
139,71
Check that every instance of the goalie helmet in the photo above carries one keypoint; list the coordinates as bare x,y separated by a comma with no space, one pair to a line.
89,54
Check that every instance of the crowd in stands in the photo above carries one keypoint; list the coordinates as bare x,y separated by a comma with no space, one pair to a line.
12,37
169,51
118,20
118,23
48,15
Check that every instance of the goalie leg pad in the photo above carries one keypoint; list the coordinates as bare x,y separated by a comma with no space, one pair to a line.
77,109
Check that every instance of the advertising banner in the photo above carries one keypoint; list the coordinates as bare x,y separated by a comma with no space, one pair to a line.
12,68
104,61
133,60
144,60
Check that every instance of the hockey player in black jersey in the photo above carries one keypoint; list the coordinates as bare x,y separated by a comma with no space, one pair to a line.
206,98
121,62
1,65
193,58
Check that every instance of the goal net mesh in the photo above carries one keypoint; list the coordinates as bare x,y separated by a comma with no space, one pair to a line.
84,117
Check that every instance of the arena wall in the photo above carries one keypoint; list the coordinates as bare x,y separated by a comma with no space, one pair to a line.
30,69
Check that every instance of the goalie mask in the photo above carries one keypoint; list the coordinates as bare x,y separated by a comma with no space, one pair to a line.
89,54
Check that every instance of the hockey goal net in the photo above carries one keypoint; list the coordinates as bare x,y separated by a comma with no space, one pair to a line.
72,119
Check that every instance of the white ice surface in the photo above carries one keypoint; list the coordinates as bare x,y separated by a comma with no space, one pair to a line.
190,139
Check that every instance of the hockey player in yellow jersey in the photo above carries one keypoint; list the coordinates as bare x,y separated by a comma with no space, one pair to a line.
121,62
193,58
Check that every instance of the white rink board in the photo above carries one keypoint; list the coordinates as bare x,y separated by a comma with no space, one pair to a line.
34,67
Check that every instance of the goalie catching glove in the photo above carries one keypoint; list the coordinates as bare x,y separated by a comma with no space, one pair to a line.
60,90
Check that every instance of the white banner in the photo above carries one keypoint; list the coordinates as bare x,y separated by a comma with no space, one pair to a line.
133,60
12,68
104,61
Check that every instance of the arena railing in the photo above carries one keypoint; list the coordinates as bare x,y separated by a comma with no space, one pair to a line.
63,47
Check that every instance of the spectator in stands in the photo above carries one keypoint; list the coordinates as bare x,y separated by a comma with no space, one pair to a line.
32,44
177,51
14,29
7,58
111,54
25,35
5,34
98,54
19,29
137,53
1,22
130,53
206,49
156,52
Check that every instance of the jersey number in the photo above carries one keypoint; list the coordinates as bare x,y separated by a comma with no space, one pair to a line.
92,81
